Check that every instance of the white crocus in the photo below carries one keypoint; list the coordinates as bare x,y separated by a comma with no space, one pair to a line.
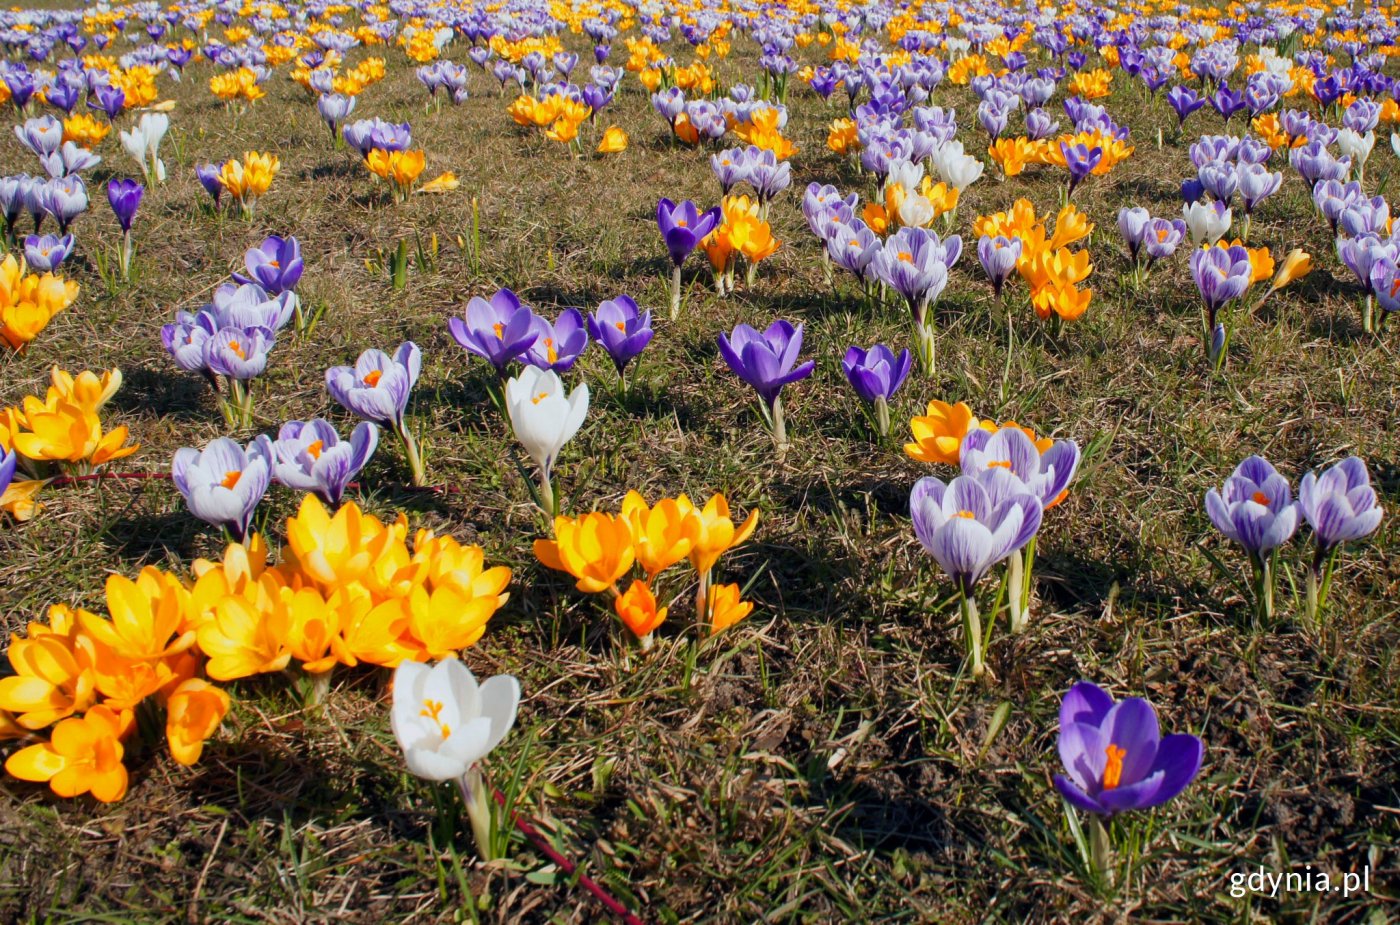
445,723
956,167
1357,147
142,143
1207,223
544,418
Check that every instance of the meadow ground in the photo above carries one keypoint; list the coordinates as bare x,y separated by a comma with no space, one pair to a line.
826,760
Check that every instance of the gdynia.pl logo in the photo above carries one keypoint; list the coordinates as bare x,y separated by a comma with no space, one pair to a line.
1306,880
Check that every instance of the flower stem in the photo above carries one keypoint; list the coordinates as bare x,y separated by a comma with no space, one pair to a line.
1013,594
1100,850
547,503
882,416
972,632
675,292
418,475
780,438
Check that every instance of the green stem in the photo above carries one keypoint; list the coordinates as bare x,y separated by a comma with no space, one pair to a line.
415,459
1100,850
1014,621
675,292
972,633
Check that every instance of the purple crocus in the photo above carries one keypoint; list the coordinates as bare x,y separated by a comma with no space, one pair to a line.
1080,160
1222,275
1255,509
767,361
914,262
223,483
239,353
557,346
310,456
682,227
208,176
620,328
876,374
499,331
377,388
1341,507
1340,504
275,265
968,530
1183,101
998,256
125,197
9,460
1115,757
46,253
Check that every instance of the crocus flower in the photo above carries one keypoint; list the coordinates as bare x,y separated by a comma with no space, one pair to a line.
1183,101
967,531
334,107
914,262
125,197
1115,757
767,361
446,723
998,256
208,176
377,389
876,374
498,331
622,330
1080,160
224,482
275,265
544,418
8,461
1222,275
46,253
557,346
1341,507
310,456
1207,222
682,227
1256,509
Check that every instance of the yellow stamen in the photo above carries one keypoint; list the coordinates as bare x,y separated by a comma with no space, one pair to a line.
966,515
314,449
373,376
231,478
1260,498
1113,770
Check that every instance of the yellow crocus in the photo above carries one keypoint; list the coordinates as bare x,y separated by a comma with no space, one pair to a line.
725,608
715,532
614,141
84,755
68,433
245,636
340,549
54,678
939,432
149,616
637,610
193,713
596,549
662,535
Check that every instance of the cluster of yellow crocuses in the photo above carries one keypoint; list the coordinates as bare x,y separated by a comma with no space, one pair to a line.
248,180
60,434
742,231
600,550
348,589
401,170
29,301
85,130
1048,266
558,114
240,85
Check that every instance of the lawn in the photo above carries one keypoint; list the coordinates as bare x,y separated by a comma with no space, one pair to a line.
829,758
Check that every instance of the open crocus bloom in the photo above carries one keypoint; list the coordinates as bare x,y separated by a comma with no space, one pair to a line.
1115,757
444,721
